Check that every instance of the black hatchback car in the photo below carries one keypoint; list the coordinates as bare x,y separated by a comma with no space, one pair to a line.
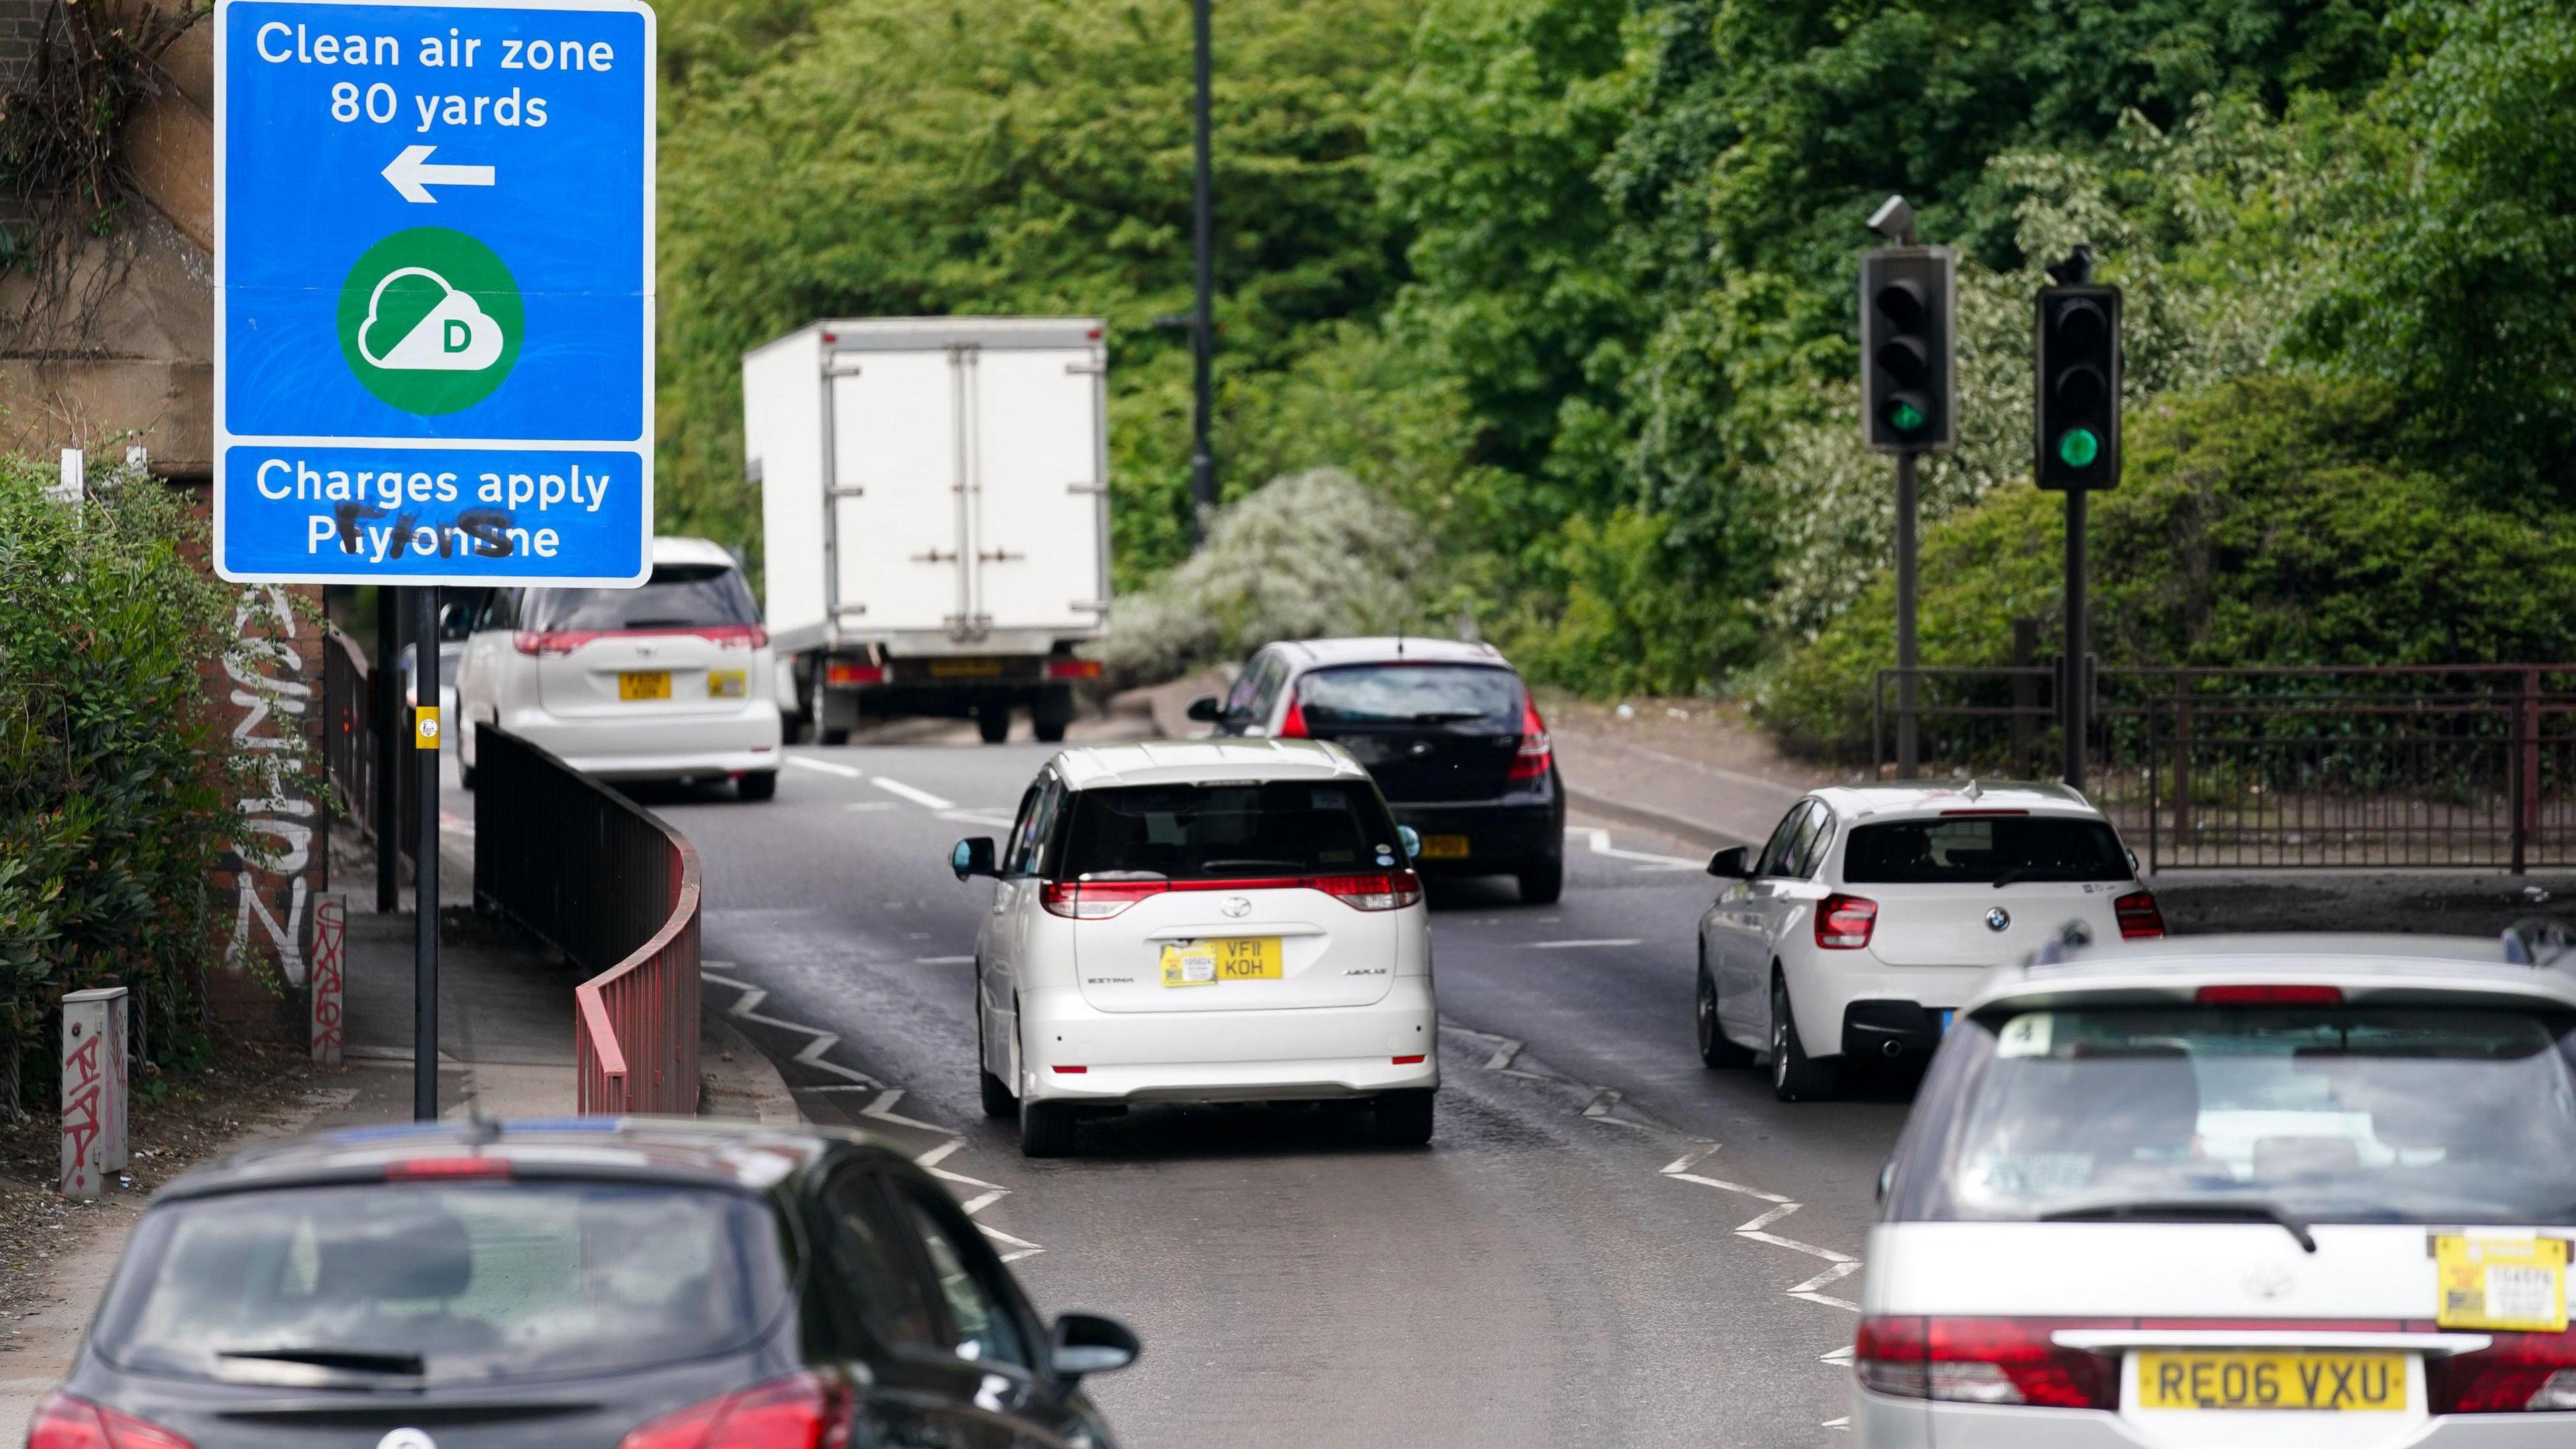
1448,730
586,1284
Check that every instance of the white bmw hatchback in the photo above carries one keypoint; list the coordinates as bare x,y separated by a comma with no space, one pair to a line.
2250,1192
1202,921
1874,910
669,681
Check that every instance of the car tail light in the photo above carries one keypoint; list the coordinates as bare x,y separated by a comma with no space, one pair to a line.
2517,1372
1843,923
1073,669
1412,1061
1536,753
1983,1361
732,636
446,1167
551,641
1388,892
64,1422
1095,900
2271,995
1293,727
564,641
2140,919
803,1412
842,671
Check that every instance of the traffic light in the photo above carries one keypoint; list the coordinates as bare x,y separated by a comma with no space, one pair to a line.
2079,387
1907,364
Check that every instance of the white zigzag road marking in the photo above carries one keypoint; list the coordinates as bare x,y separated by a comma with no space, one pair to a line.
745,1008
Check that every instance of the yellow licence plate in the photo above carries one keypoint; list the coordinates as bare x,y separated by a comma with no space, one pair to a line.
1444,847
644,684
726,684
2266,1379
1205,963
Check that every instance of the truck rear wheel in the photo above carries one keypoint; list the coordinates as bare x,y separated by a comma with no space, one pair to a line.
993,722
1051,712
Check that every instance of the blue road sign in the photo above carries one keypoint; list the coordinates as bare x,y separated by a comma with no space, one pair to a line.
434,291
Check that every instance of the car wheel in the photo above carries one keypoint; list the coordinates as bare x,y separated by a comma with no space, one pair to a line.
1542,884
993,722
998,1101
1795,1076
1402,1119
1715,1049
1048,731
757,785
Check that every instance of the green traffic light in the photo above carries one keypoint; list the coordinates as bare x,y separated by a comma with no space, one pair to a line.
2078,448
1905,417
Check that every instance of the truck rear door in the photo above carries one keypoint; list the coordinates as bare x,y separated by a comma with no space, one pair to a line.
898,480
1035,494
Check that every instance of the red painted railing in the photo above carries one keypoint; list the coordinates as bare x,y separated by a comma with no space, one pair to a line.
607,883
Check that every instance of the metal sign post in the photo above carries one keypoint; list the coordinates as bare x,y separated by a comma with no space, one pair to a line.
433,315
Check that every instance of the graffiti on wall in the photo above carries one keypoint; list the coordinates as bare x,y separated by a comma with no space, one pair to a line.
270,688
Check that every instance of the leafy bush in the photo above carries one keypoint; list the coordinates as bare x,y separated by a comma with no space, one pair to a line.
118,786
2256,522
1305,557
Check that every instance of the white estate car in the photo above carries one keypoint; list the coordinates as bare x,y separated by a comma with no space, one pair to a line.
2235,1192
668,681
1203,921
1874,910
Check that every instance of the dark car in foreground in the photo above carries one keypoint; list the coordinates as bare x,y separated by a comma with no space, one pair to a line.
584,1284
1447,729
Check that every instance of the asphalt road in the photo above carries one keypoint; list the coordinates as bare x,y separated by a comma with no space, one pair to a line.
1605,1244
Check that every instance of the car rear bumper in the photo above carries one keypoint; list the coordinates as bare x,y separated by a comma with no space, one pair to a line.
1857,1005
1228,1056
1880,1422
655,749
1500,838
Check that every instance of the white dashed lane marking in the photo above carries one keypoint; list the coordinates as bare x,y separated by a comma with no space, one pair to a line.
1599,840
846,772
1578,945
913,793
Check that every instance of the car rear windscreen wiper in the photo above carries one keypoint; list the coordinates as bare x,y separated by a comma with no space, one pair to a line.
2188,1209
357,1360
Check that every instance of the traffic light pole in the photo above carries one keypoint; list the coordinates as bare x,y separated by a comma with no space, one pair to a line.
1203,311
2078,698
1908,761
424,966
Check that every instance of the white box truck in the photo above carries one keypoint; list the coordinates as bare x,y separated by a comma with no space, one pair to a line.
935,500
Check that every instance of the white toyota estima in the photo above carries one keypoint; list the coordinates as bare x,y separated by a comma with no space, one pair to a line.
1203,921
2236,1192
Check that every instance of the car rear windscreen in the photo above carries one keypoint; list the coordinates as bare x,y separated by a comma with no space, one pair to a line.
1983,849
469,1283
677,596
2339,1114
1412,694
1209,832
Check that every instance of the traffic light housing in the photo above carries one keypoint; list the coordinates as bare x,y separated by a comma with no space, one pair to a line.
2079,387
1908,363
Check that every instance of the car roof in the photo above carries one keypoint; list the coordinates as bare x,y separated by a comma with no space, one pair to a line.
1389,649
1937,797
667,550
684,1151
1201,762
2390,969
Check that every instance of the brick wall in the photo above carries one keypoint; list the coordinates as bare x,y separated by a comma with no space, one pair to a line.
22,24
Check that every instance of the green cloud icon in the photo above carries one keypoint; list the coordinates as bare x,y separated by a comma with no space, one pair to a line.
430,320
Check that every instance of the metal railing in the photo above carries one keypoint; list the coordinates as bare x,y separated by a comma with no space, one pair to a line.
604,881
2399,766
348,735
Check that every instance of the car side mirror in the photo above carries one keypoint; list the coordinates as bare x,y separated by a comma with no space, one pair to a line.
1087,1343
1886,1179
972,857
1733,863
2133,861
1206,710
455,622
1412,839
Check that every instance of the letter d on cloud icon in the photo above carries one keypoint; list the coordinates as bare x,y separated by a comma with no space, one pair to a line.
430,320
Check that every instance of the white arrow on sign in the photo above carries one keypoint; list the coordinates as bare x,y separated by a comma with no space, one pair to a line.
412,175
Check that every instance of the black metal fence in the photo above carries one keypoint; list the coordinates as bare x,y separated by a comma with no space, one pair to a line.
604,881
2361,766
348,732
